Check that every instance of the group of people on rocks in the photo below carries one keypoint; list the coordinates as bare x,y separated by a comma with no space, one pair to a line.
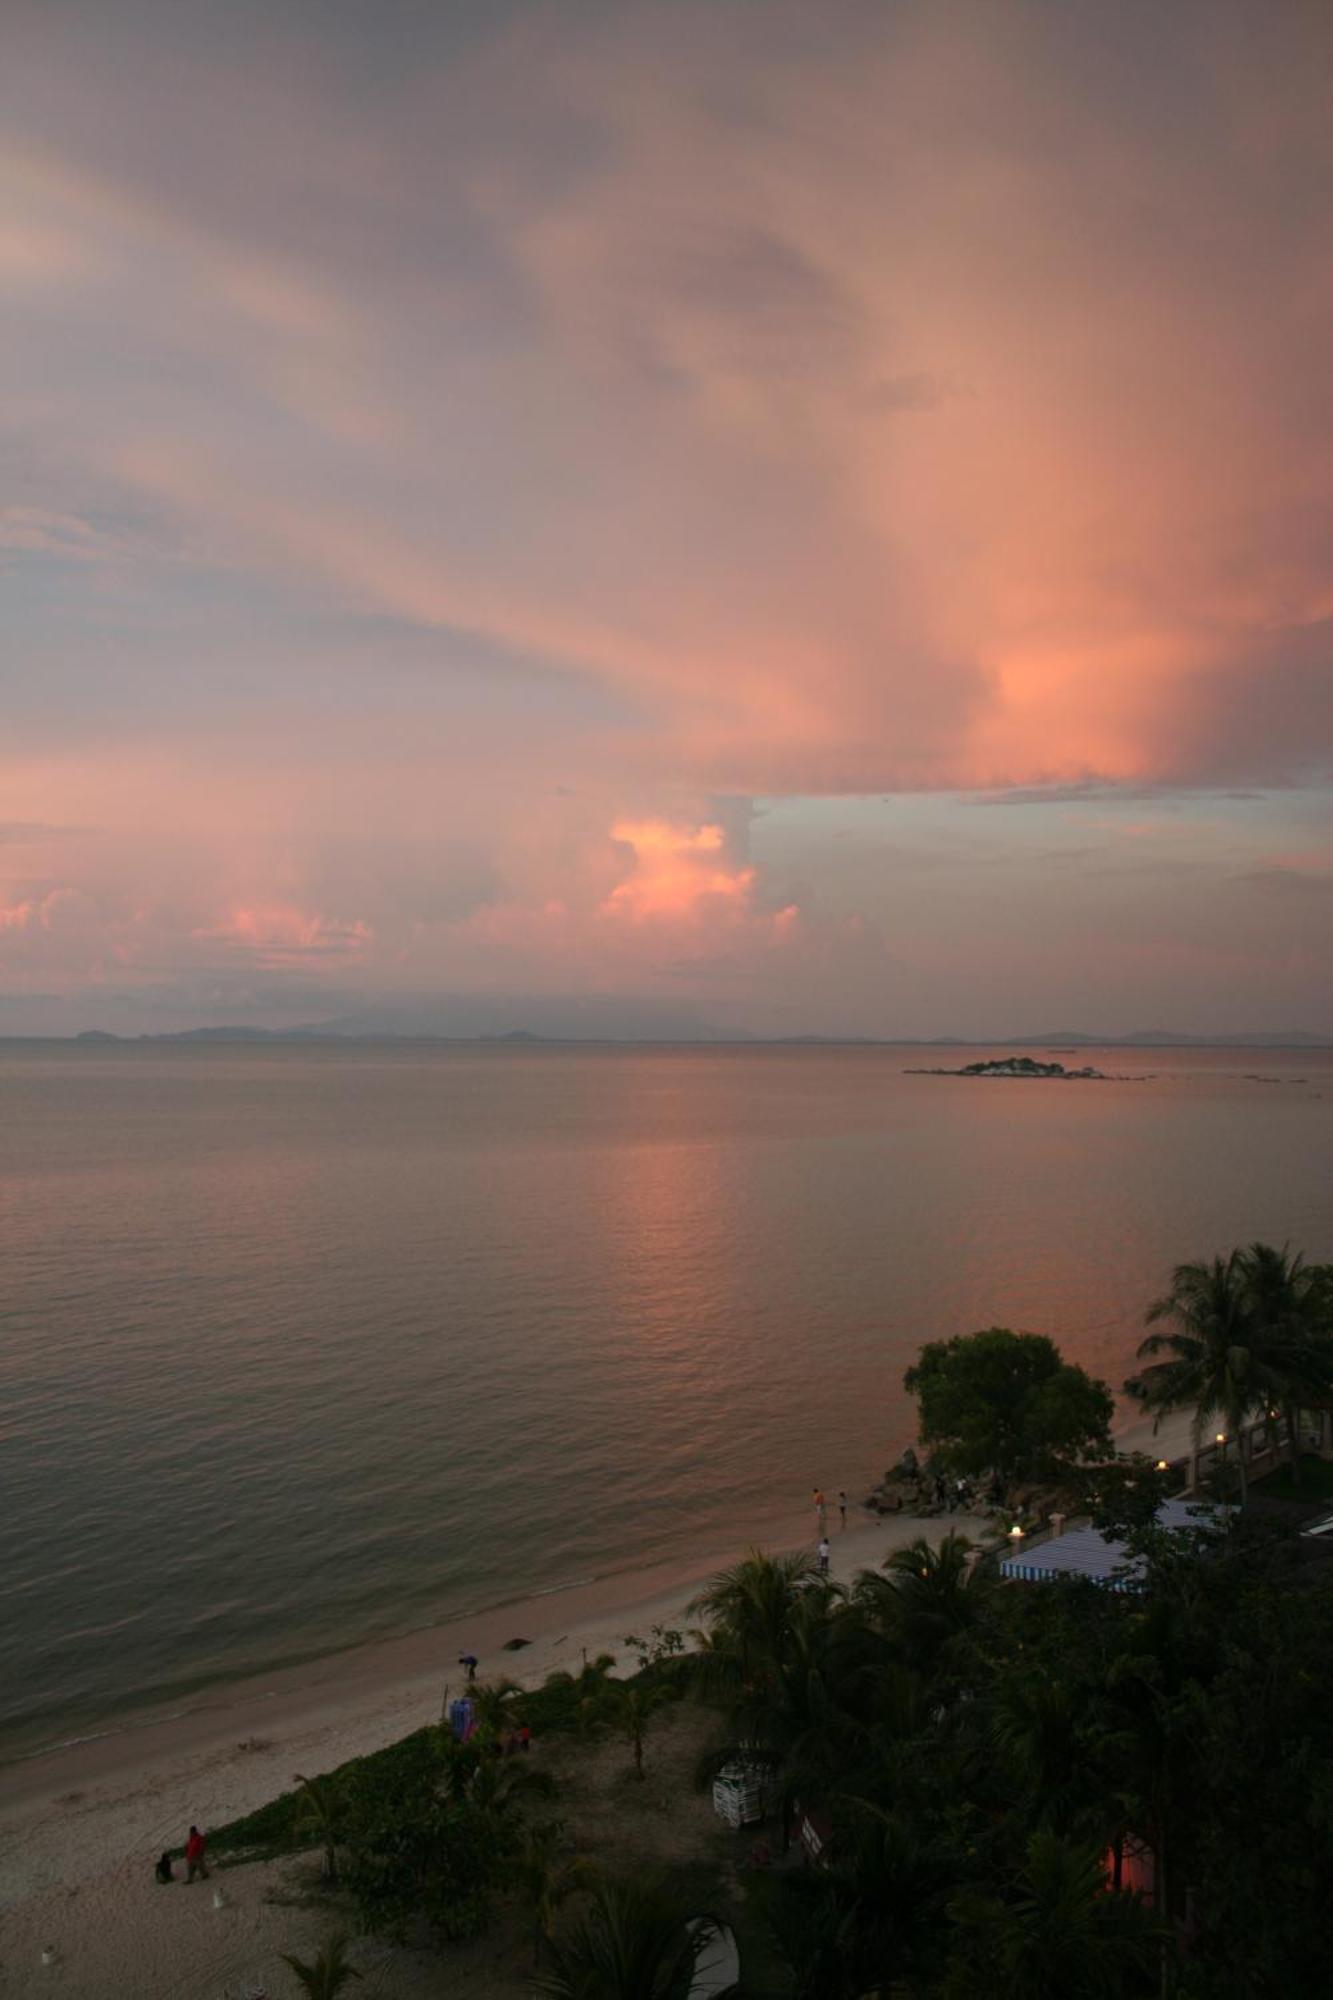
939,1489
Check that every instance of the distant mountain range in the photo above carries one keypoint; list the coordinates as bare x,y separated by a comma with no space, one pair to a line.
1167,1038
1065,1038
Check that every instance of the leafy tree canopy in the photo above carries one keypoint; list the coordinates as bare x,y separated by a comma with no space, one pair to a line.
1008,1402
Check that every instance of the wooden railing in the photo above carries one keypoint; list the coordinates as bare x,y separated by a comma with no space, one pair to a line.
1263,1444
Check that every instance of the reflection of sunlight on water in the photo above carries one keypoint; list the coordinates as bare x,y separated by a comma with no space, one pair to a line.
665,1254
302,1347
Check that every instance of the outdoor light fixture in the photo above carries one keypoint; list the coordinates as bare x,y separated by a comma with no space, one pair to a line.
1162,1465
1221,1437
1016,1533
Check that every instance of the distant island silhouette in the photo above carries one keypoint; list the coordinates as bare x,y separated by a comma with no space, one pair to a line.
1065,1043
1021,1066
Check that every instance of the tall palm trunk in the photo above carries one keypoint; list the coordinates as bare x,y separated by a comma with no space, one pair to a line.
1293,1416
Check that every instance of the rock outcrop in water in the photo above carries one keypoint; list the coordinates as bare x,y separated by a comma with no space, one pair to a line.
1019,1066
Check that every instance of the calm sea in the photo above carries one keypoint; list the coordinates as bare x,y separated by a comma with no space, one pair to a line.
304,1345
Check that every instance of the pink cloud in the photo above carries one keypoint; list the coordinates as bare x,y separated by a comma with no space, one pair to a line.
435,502
675,869
866,437
281,934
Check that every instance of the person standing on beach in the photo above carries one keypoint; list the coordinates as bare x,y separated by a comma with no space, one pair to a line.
820,1508
824,1553
842,1504
469,1660
195,1864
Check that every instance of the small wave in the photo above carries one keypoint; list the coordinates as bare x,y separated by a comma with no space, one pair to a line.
556,1589
65,1743
125,1728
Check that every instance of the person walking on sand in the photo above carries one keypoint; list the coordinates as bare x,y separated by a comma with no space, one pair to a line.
195,1864
842,1504
469,1660
824,1553
820,1508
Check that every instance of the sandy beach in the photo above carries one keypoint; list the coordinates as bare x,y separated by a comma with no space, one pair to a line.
80,1826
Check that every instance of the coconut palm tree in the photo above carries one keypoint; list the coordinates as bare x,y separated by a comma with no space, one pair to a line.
1210,1358
1038,1726
582,1695
1060,1934
631,1944
493,1704
325,1979
926,1597
865,1923
498,1786
631,1705
1297,1352
816,1927
750,1609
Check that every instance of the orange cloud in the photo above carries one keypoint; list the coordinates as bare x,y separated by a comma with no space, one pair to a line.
676,869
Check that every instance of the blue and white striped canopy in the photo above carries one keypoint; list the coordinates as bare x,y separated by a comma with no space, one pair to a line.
1085,1552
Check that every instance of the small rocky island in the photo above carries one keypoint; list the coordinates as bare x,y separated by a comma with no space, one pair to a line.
1018,1066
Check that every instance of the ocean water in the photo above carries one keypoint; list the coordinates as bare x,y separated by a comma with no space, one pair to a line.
302,1345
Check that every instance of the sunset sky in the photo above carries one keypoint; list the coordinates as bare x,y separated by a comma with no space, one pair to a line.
667,518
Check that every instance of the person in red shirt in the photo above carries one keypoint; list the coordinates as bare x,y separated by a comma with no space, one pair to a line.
195,1863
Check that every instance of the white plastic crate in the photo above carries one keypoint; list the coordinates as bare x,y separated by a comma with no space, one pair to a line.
743,1794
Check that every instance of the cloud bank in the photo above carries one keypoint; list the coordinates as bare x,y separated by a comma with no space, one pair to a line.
454,458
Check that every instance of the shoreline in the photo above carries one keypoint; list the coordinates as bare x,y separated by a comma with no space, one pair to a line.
110,1798
114,1801
132,1714
127,1717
